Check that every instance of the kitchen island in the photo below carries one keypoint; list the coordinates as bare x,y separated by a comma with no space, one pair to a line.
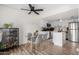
59,38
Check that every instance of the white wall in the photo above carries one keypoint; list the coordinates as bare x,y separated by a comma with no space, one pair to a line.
21,20
26,23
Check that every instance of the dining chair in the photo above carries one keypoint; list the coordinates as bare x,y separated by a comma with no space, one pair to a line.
29,36
36,42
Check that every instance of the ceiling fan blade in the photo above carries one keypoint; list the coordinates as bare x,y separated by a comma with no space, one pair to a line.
30,6
29,12
38,9
36,13
25,9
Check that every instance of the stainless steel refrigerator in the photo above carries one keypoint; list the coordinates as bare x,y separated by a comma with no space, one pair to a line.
73,33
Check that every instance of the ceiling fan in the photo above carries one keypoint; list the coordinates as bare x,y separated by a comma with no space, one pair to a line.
32,9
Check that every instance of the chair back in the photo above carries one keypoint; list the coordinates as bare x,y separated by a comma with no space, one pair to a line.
29,35
39,38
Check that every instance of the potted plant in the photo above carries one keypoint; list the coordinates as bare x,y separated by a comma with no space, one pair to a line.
8,25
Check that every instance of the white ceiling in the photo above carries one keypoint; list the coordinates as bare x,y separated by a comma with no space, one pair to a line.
49,9
44,6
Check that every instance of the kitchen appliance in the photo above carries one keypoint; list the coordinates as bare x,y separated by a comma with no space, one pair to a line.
73,33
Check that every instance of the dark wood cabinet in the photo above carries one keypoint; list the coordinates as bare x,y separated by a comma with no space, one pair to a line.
10,37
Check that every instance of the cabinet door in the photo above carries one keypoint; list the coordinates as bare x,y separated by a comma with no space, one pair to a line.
5,37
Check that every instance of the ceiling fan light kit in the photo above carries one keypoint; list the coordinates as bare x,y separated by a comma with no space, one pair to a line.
32,9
